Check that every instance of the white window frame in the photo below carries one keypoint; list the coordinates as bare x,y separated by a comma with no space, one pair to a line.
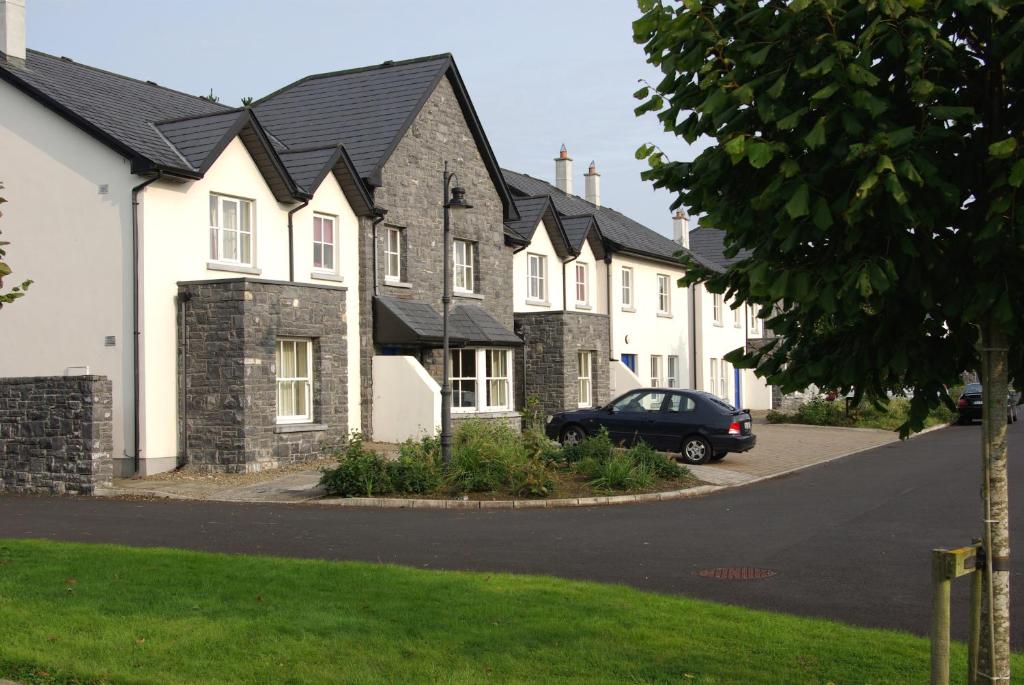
755,321
483,383
279,380
716,308
657,368
672,371
324,219
464,267
724,380
538,279
664,294
393,250
584,377
218,232
712,383
627,287
737,317
584,284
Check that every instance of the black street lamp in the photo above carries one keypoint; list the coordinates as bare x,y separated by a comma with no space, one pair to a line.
457,199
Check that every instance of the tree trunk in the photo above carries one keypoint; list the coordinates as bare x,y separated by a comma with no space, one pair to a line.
995,632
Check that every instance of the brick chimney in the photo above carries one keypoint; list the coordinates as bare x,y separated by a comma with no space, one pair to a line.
592,180
12,29
681,228
563,171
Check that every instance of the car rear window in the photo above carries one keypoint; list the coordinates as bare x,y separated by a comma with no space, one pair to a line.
720,402
972,389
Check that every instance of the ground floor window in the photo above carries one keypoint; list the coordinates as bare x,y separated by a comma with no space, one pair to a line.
712,382
723,381
673,371
481,379
294,363
585,377
656,371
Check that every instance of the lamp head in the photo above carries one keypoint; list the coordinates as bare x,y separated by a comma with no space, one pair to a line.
458,198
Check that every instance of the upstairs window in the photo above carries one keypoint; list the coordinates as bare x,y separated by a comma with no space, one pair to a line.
716,308
231,229
463,266
582,289
324,258
536,277
627,287
393,254
664,294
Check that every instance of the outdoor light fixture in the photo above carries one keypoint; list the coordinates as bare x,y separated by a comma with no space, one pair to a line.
457,199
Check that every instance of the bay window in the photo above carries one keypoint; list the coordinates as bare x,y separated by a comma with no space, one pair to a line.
481,379
231,230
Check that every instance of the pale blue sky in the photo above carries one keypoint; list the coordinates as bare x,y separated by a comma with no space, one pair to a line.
540,72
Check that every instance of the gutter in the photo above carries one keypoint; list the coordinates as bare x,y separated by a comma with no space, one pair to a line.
291,241
136,333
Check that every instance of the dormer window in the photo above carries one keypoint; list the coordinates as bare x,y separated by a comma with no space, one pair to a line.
324,247
231,230
582,285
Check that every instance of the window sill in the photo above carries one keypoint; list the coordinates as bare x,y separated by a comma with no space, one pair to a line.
538,303
717,323
664,315
300,427
233,268
631,310
398,284
468,295
585,307
327,276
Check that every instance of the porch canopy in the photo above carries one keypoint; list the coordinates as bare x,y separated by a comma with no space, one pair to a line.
410,322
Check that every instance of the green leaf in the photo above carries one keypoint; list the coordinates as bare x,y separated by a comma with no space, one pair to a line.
5,270
826,92
866,185
744,94
644,151
821,68
884,164
895,188
797,205
822,214
736,147
900,136
790,121
789,168
692,5
864,284
759,153
756,59
1003,149
943,112
1017,173
799,5
642,93
776,89
816,138
908,171
860,75
921,88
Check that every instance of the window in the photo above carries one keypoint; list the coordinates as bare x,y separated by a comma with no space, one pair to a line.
673,371
231,222
627,287
393,255
294,360
497,379
656,376
581,283
464,266
755,321
679,403
472,369
584,377
723,381
664,295
323,243
712,382
716,308
629,360
737,317
640,401
536,277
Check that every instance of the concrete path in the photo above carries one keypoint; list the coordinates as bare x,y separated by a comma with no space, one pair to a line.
296,486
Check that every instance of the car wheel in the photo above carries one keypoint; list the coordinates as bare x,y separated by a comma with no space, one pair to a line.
572,435
718,456
696,450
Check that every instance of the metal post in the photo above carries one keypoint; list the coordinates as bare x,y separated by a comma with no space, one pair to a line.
446,299
941,582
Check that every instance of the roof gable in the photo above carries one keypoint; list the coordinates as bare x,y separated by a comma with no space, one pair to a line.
534,210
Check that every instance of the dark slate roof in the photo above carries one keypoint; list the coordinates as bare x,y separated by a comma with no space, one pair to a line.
708,244
531,210
365,109
410,322
196,138
308,167
627,234
119,110
577,228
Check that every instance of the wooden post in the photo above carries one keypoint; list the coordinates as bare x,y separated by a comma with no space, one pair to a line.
974,630
941,582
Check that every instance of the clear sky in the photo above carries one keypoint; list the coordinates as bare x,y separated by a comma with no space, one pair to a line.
540,73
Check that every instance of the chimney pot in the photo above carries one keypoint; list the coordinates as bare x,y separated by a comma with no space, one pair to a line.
563,171
592,181
12,29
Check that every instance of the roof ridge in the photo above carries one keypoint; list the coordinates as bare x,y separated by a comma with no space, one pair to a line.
127,78
355,70
177,120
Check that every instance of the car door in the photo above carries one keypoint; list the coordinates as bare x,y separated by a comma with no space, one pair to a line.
634,417
677,419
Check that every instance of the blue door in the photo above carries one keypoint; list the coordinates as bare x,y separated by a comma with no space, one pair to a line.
630,361
736,381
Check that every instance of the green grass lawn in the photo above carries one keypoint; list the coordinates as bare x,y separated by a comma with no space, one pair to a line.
95,613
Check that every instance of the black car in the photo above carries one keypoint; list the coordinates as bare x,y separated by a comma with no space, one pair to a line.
696,424
969,405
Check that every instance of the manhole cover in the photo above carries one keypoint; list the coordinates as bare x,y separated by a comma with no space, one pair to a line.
736,573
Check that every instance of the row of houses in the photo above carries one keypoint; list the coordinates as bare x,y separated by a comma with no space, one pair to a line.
258,282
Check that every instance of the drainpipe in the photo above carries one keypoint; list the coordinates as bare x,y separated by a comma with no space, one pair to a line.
136,375
565,300
183,300
608,303
693,336
291,241
378,216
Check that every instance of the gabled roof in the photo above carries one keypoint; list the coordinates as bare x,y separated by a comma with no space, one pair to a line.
708,245
309,168
117,110
579,228
533,210
624,234
368,110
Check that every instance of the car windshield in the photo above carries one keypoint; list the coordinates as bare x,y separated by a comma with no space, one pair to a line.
972,389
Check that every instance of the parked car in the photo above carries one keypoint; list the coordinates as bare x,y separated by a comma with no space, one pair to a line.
696,424
968,407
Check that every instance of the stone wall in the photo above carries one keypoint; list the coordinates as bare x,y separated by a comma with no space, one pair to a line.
547,367
228,384
56,434
411,192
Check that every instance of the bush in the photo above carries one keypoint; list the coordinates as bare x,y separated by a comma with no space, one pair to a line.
418,467
657,463
360,472
531,479
618,472
598,447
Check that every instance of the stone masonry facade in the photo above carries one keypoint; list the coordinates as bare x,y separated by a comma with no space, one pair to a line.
228,382
411,192
56,434
547,367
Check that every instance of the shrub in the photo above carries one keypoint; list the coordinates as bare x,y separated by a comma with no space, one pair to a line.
657,463
531,479
491,456
597,447
360,472
418,467
619,472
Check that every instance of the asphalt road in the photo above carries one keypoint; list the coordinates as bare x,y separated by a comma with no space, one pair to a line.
849,540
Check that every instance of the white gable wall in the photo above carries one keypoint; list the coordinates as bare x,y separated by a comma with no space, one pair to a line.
597,302
540,245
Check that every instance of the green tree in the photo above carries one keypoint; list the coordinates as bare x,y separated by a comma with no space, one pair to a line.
869,155
5,270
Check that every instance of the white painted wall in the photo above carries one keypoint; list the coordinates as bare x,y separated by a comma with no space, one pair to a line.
175,247
639,329
621,379
406,400
715,340
597,283
540,245
75,243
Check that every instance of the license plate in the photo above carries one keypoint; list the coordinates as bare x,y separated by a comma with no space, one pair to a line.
977,402
746,425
